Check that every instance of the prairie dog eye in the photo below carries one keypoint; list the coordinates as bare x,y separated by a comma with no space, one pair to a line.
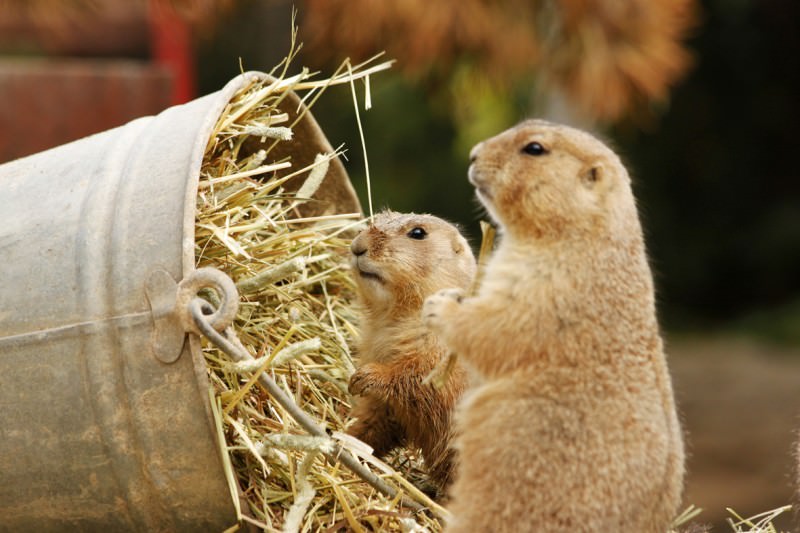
534,149
417,233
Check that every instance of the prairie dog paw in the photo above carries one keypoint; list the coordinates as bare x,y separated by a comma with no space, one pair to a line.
363,381
438,305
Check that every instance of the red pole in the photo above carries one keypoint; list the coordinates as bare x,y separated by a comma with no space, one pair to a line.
171,46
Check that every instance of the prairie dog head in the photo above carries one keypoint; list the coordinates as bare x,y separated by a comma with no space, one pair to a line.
546,181
400,259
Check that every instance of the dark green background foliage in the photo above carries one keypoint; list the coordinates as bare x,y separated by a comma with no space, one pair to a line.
718,181
716,172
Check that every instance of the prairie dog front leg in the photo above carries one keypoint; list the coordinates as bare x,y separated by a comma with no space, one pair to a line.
438,309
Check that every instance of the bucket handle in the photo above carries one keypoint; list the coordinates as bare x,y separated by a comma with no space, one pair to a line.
202,318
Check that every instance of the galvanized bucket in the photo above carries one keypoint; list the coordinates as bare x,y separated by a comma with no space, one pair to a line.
106,419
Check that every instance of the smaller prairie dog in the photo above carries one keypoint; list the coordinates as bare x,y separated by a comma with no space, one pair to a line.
573,426
398,261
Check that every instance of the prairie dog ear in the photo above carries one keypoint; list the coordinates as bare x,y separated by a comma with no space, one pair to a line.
591,175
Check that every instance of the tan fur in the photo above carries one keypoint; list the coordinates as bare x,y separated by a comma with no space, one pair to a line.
574,426
396,352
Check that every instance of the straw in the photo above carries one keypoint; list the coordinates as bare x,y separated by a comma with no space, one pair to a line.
760,523
296,319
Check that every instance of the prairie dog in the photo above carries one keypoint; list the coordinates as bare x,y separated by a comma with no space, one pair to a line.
574,426
398,261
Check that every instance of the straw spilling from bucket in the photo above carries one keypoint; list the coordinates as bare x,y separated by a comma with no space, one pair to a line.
296,319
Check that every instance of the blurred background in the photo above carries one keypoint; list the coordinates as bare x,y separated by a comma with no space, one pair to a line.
700,98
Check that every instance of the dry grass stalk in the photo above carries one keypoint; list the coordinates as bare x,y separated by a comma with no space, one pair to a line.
295,319
760,523
683,522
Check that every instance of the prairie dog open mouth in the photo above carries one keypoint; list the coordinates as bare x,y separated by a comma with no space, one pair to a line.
474,178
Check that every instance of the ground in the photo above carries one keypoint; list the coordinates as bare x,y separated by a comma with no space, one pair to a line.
740,404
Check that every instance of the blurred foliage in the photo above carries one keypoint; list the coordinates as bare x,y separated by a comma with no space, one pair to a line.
717,180
777,324
715,175
610,58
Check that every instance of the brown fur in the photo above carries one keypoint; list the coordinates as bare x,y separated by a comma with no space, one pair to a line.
574,426
396,352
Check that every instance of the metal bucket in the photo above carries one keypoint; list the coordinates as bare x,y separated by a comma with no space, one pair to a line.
106,420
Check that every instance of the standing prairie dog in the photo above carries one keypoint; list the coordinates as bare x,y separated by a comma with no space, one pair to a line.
574,426
398,261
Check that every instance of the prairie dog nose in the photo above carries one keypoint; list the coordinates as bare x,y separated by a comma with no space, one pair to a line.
473,154
359,245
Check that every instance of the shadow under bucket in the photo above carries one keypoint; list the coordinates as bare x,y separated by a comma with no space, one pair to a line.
106,416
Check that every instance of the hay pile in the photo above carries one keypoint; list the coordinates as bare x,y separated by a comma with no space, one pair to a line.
295,318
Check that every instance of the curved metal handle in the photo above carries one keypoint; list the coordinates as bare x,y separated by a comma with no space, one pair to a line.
219,316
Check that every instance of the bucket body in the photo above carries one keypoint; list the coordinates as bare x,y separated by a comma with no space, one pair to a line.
106,410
